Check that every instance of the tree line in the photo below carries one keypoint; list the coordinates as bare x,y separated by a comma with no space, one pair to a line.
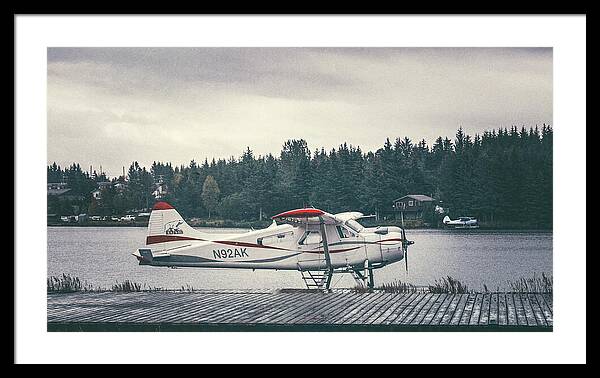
500,176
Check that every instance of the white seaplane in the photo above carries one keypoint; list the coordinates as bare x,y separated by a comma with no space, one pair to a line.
461,222
312,241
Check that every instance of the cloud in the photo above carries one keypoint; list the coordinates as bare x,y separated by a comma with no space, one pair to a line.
111,106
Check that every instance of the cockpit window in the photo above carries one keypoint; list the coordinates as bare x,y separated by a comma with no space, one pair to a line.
310,237
273,239
343,232
354,225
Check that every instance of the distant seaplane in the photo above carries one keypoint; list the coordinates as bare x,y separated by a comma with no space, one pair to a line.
309,240
461,222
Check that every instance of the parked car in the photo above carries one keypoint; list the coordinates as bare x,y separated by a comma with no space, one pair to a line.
95,217
115,219
128,218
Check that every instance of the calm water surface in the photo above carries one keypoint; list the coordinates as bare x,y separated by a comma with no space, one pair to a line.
102,256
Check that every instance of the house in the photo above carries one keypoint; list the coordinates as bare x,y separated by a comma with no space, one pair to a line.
102,186
160,191
412,206
97,194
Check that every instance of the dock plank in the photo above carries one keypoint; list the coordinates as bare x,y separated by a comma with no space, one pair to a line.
198,311
307,315
474,319
548,298
413,311
401,311
434,309
357,311
381,311
520,310
279,311
494,305
341,308
545,309
382,301
405,298
325,314
460,307
502,310
300,304
537,310
259,306
468,311
154,310
531,321
451,309
442,310
248,307
484,315
425,310
511,311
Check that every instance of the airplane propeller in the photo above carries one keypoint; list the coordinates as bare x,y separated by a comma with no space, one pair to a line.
405,244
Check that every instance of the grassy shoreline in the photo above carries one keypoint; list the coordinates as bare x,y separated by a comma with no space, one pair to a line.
543,283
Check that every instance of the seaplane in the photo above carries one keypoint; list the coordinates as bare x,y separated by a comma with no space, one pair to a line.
461,222
311,241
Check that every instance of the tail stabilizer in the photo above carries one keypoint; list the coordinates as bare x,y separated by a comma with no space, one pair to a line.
166,225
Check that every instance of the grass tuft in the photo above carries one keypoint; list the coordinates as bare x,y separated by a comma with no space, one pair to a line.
448,285
396,286
126,287
535,284
65,284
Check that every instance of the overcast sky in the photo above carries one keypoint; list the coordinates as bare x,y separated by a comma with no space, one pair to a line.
111,106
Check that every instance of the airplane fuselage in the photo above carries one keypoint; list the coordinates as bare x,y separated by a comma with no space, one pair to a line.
283,247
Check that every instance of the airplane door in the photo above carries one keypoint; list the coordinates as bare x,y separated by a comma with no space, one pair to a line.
311,246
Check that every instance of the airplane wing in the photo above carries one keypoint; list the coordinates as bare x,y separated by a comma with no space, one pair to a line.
314,216
306,216
350,215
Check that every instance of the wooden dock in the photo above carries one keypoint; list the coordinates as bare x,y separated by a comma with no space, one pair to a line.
298,310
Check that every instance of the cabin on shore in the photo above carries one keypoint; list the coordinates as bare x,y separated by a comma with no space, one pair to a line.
412,206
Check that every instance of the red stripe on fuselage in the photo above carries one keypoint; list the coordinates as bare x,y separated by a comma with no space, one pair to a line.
388,240
154,239
333,251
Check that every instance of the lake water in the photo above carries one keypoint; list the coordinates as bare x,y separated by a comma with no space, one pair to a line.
102,256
